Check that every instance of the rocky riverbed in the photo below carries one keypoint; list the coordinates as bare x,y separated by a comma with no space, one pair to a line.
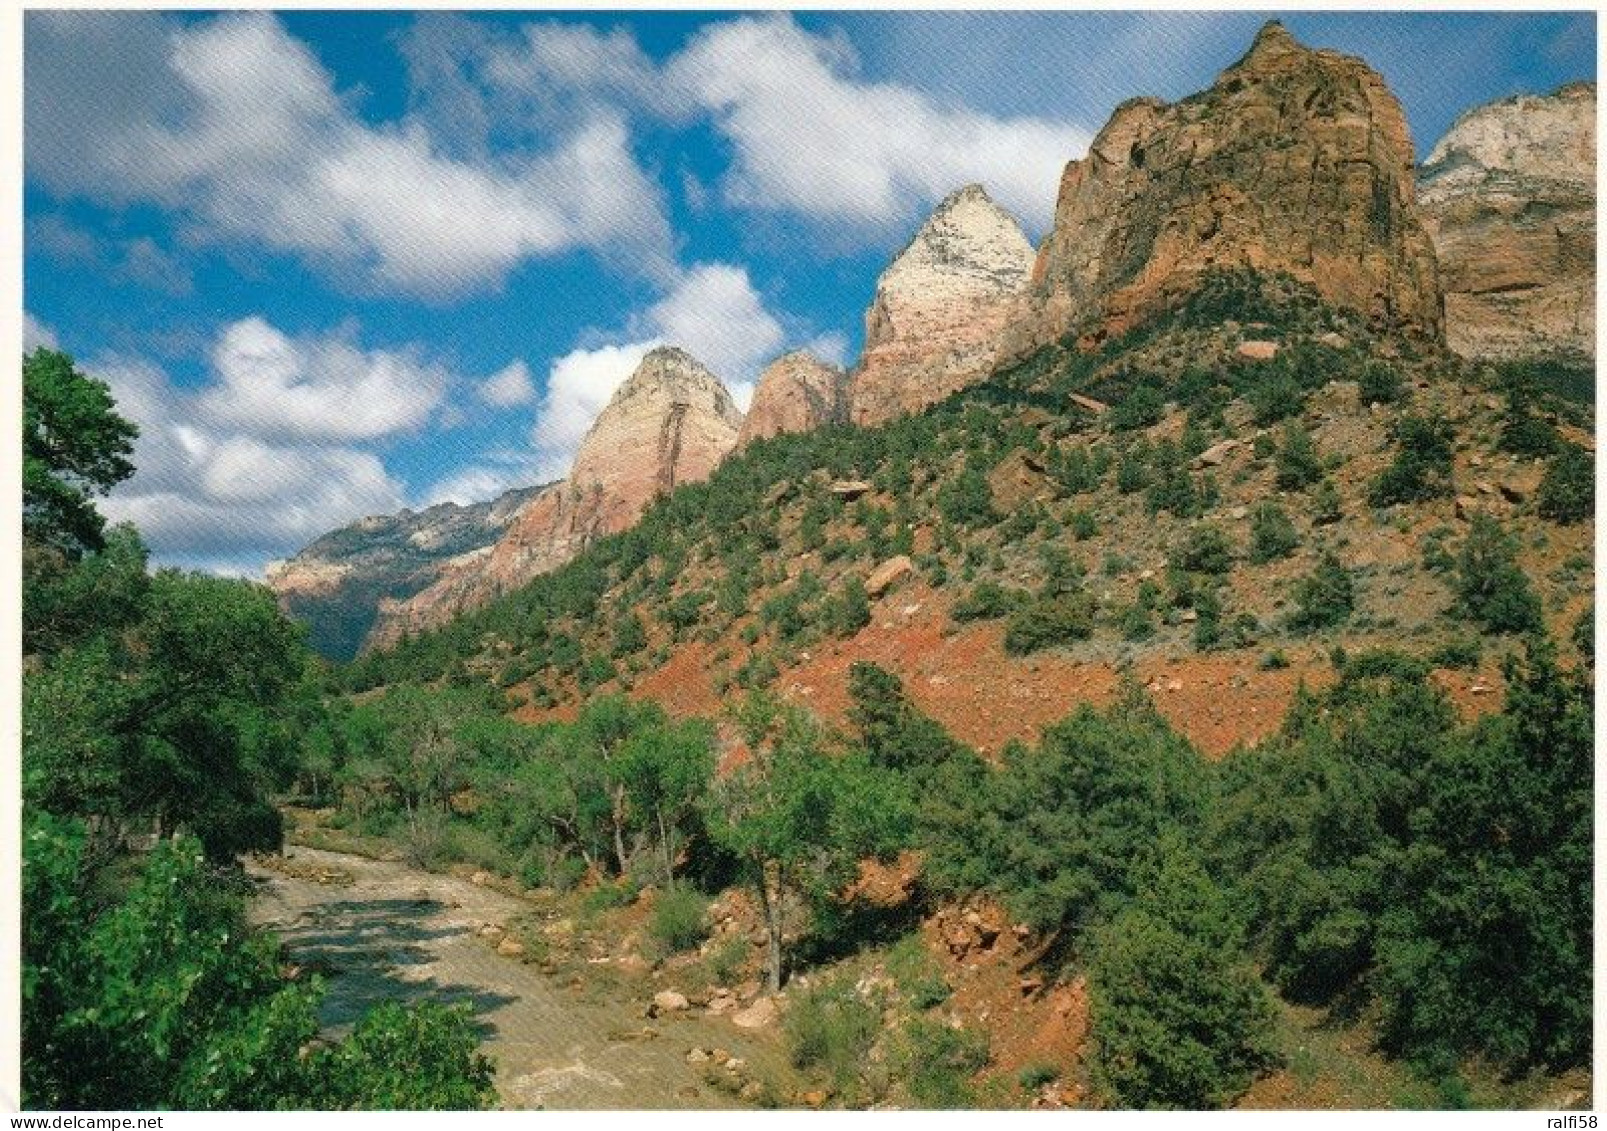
378,930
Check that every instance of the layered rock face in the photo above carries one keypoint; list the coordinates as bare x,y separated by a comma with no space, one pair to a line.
797,392
670,423
934,325
1509,197
336,585
1295,161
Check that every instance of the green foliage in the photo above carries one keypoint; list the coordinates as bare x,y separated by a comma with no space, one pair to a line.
937,1063
1325,597
630,636
1177,1016
829,1030
1049,621
798,821
74,446
1275,395
680,920
165,998
1422,466
893,733
1444,868
1523,431
966,500
1035,1075
1568,491
987,601
1491,588
1205,550
1142,406
1326,506
1056,832
1272,534
1381,383
849,611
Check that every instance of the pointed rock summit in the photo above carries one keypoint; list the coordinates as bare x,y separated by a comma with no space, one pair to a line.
1509,197
1294,161
671,422
797,392
934,325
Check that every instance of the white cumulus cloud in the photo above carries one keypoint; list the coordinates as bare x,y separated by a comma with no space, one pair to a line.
235,123
316,388
508,386
808,135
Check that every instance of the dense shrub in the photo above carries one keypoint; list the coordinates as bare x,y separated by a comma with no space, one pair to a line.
1205,550
1177,1016
1272,535
985,602
1381,383
680,919
1422,466
1142,406
829,1030
1568,491
1045,622
1297,462
937,1062
1325,597
1491,588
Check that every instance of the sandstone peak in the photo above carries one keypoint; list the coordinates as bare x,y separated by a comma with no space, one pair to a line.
1509,197
1272,40
933,325
1295,160
671,422
797,392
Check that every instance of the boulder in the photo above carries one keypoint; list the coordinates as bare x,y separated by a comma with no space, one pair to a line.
760,1014
888,574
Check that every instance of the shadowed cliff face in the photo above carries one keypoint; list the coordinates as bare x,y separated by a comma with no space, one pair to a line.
934,325
1509,197
670,423
1295,161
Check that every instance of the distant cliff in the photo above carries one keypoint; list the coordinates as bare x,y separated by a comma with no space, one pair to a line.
335,585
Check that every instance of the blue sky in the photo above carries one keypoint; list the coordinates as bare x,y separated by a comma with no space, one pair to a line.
340,263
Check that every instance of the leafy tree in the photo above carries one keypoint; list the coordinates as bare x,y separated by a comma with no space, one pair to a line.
74,446
1057,831
1325,597
1272,535
800,821
1177,1016
1491,587
895,734
1205,550
850,610
665,769
164,997
1297,463
1568,491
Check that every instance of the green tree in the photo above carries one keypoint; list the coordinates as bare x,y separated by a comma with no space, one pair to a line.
1325,597
1568,491
74,446
1491,588
799,821
665,769
1057,831
1272,535
1177,1016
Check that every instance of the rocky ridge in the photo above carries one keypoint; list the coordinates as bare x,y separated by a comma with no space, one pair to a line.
1509,197
335,584
670,423
934,324
1295,161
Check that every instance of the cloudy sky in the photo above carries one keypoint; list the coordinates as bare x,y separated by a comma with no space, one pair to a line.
335,264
